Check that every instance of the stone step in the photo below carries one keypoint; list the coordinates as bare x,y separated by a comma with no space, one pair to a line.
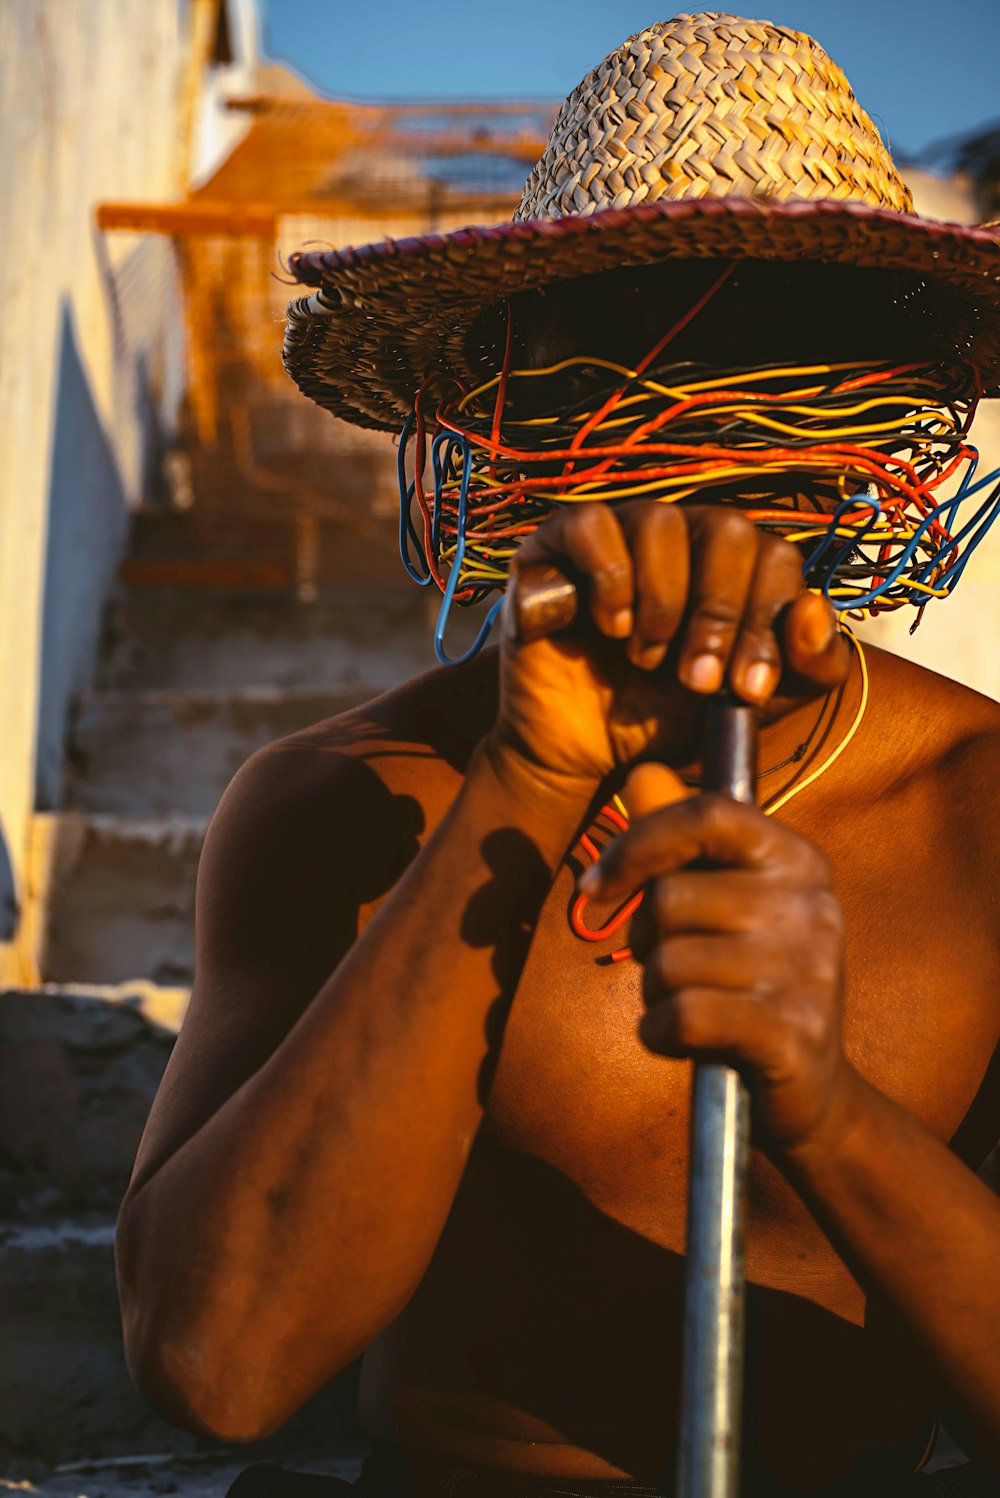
223,641
79,1068
235,536
119,897
153,753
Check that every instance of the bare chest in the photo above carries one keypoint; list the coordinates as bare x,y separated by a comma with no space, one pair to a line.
577,1090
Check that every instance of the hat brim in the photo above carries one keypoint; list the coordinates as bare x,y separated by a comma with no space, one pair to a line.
387,317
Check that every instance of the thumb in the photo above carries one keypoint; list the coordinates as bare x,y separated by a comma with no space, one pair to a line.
813,645
650,786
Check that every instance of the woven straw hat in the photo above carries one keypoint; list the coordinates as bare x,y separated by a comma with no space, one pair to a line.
704,137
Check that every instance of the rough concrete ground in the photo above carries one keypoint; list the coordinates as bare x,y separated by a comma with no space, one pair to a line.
209,1475
203,1476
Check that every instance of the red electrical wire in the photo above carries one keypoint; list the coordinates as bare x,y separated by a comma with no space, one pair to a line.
623,914
644,363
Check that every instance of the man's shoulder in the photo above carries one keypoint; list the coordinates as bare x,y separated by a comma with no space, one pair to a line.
936,715
412,742
937,733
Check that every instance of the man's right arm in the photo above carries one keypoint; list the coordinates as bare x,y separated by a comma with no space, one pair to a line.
297,1170
313,1126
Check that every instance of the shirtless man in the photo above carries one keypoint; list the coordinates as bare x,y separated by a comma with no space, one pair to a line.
407,1098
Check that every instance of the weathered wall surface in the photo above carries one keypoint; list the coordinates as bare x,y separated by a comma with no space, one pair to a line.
88,93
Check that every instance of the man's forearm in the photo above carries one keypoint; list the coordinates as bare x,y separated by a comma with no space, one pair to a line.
292,1227
919,1231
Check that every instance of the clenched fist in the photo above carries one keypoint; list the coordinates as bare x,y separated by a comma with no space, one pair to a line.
740,937
676,599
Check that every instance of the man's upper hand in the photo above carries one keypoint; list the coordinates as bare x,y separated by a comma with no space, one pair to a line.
675,601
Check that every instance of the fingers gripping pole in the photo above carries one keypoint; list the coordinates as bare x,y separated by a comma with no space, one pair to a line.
712,1383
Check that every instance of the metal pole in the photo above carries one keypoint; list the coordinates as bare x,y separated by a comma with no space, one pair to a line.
714,1293
712,1381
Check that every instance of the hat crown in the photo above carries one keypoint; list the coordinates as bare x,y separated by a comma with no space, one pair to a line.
711,105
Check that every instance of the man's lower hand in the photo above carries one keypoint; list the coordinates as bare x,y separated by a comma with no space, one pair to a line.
743,959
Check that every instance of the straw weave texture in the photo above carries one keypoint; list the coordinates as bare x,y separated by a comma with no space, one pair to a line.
711,105
705,137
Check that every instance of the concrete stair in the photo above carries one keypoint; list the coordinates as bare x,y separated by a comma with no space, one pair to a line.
120,897
161,638
166,752
189,686
79,1065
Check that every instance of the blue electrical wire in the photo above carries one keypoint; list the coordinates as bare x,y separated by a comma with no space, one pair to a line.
990,508
812,561
947,579
462,444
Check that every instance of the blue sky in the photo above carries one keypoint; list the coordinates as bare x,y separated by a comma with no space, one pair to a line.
925,69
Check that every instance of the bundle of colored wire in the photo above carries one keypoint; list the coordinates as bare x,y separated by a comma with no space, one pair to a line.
867,467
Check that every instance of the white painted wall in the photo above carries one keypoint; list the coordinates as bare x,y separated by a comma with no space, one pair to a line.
92,96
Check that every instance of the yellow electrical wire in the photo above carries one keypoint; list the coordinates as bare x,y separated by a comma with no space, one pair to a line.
796,790
678,392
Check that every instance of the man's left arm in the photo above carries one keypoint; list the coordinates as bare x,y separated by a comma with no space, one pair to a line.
919,1229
